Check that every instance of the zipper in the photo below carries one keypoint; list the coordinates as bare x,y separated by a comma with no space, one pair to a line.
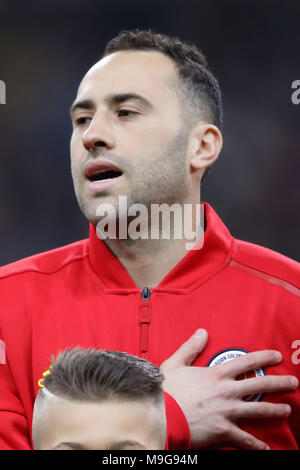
145,320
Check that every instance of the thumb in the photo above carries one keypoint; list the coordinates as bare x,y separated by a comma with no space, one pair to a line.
187,353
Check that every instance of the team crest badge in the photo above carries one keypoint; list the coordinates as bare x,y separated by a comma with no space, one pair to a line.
232,353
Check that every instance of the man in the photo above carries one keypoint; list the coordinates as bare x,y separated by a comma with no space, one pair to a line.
100,400
146,126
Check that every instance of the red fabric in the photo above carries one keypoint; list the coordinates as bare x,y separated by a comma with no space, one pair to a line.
178,431
81,295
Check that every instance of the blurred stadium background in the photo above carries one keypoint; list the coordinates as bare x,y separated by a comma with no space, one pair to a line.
253,48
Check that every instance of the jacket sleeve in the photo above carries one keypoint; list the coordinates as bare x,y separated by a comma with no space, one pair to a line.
178,431
14,433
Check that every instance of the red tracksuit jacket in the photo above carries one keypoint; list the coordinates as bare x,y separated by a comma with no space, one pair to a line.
245,296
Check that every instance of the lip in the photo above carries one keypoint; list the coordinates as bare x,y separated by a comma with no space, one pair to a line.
92,166
101,185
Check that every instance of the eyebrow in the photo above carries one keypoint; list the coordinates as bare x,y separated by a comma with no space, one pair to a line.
117,445
113,446
113,99
73,445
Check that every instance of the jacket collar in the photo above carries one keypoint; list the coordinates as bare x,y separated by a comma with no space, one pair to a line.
195,268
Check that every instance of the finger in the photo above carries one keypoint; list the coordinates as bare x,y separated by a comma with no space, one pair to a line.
271,383
249,362
245,440
188,351
260,409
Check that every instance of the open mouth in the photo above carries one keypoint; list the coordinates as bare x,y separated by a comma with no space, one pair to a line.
101,175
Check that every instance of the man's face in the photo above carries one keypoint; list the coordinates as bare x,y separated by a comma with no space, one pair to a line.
64,424
141,136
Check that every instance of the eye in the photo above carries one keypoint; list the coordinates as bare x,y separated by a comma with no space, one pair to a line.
81,121
126,112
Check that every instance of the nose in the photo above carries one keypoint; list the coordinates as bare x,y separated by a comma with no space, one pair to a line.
99,133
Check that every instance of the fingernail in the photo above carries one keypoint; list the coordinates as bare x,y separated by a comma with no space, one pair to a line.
288,410
199,333
278,355
294,382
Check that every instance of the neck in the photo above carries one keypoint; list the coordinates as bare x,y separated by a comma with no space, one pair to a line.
149,260
148,263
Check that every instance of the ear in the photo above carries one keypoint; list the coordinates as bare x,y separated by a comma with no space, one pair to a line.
206,144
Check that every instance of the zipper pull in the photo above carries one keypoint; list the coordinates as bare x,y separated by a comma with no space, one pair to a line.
145,320
146,293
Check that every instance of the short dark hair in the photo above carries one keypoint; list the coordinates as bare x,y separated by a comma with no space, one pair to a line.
199,87
96,375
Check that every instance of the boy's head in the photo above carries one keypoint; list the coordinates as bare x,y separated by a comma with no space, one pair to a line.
97,399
